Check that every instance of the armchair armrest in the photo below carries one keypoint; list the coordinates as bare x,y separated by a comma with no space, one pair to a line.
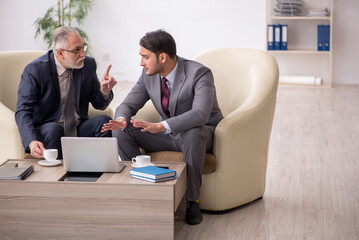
10,141
94,112
147,113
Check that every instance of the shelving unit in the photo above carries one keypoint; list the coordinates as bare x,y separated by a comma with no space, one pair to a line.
302,42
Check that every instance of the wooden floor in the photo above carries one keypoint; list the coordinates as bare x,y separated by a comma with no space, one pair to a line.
312,189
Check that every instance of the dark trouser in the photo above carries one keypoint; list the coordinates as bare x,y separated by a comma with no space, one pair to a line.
193,143
50,133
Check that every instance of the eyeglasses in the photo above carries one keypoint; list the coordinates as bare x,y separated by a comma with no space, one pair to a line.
77,50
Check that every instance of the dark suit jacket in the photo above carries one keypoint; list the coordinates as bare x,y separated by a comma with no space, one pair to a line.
192,102
39,94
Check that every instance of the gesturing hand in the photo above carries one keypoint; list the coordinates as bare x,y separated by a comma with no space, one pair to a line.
114,125
107,81
148,127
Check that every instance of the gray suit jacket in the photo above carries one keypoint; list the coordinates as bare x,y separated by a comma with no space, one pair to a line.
192,102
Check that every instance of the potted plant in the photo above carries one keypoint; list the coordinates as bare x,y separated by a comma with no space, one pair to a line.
66,12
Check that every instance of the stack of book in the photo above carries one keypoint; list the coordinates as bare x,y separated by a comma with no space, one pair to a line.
153,174
318,12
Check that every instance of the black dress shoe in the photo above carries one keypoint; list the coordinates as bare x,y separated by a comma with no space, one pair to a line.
193,213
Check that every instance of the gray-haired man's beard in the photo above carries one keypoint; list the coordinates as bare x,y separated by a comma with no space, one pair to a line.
76,65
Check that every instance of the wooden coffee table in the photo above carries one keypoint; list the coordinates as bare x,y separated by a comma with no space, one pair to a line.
116,206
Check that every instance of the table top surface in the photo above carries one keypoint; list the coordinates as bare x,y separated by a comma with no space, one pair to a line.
56,173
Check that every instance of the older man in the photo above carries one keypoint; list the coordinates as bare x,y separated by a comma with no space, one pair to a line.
54,95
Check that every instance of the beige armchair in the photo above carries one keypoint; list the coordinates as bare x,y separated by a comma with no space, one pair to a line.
12,64
246,83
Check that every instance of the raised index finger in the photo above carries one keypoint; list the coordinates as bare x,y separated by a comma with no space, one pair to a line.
108,69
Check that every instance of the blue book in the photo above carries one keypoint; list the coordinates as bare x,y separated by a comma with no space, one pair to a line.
152,172
270,37
320,38
277,36
326,37
284,37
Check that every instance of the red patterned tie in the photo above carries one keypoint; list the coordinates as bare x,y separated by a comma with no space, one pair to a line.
165,96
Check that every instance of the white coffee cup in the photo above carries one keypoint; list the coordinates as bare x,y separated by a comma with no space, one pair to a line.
50,154
142,160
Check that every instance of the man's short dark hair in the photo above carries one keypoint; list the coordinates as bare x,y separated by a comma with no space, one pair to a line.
158,42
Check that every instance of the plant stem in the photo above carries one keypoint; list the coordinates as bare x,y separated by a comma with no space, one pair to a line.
59,12
70,16
63,13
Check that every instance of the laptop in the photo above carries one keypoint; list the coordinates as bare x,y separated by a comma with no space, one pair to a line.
90,154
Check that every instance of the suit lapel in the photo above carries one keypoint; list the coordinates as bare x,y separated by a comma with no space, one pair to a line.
54,77
157,88
177,86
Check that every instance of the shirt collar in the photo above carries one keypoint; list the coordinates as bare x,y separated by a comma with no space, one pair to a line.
172,75
59,68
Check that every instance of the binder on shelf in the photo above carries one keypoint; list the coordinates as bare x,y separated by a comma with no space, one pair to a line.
320,38
284,37
270,37
326,37
277,36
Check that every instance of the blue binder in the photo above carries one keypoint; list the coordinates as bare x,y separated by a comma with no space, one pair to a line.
326,37
284,37
270,37
277,36
320,38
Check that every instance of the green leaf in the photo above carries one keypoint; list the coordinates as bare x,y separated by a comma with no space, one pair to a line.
71,9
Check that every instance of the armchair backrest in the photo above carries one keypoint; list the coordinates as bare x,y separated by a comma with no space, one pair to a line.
239,74
12,64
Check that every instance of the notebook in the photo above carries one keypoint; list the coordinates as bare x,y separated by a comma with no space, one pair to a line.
15,173
90,154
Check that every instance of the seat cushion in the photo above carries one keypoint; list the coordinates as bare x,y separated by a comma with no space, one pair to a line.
210,162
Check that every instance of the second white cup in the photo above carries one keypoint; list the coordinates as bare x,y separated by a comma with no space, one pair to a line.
142,160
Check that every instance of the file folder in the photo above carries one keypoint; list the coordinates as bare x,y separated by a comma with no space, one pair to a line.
320,37
277,36
270,37
284,37
326,37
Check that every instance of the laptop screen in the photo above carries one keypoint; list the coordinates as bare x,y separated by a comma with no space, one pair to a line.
90,154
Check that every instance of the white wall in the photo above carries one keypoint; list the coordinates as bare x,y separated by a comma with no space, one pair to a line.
346,42
195,25
16,24
115,27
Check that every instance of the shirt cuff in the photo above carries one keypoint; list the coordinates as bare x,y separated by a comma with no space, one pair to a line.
107,95
123,119
168,129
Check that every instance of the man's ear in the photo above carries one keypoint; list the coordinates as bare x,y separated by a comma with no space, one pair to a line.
163,57
60,53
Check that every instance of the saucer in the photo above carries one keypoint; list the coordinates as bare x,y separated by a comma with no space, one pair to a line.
49,163
137,166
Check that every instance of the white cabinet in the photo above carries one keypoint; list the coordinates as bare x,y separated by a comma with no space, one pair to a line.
302,59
